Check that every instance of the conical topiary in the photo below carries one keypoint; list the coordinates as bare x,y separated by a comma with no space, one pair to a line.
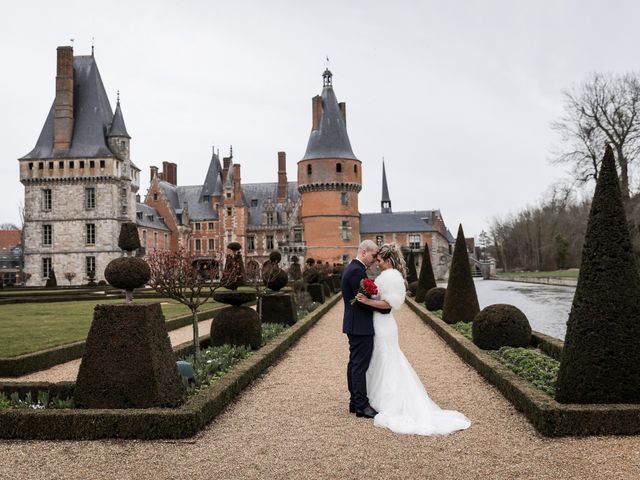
52,281
129,239
601,356
426,280
412,274
461,301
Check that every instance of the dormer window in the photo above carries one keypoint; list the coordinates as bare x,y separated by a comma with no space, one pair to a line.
228,194
155,196
139,215
254,202
269,218
206,198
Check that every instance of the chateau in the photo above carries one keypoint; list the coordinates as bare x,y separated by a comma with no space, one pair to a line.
80,186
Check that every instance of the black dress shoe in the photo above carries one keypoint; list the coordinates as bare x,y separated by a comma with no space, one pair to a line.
352,408
367,412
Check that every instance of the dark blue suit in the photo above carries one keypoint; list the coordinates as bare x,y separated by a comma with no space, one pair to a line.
358,325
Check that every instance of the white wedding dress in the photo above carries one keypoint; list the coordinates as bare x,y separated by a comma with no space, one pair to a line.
393,387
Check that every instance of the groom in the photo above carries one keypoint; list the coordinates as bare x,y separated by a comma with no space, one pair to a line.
358,325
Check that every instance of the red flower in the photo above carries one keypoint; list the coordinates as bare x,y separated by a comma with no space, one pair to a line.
367,287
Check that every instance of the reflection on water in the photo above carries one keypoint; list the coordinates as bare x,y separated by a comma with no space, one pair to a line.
546,306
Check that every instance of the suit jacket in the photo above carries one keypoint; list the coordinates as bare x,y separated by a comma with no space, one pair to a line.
358,318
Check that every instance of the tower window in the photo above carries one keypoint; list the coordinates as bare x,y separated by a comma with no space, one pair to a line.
61,165
102,164
338,167
92,164
90,266
41,167
309,169
344,198
47,234
46,267
355,170
30,165
91,233
81,163
46,199
345,230
71,164
90,197
50,165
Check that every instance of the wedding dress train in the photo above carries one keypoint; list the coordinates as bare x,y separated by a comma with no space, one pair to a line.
393,387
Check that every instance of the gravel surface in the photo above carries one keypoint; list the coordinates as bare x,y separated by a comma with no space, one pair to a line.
293,422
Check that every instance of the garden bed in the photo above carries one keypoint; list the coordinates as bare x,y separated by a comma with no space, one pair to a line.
47,358
153,423
549,417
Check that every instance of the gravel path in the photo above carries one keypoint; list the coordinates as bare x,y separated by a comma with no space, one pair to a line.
293,423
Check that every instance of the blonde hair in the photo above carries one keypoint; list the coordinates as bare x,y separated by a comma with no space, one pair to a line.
392,253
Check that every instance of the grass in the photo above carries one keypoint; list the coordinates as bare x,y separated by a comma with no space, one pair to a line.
573,273
31,327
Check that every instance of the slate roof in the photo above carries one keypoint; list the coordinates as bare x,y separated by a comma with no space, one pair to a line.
118,128
189,197
261,192
147,216
92,117
330,140
397,222
213,180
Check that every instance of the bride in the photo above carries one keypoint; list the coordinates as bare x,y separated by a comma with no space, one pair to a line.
393,387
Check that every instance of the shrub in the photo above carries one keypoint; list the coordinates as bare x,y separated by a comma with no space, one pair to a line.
601,356
531,365
127,273
434,298
501,325
275,257
413,287
461,301
412,275
236,326
51,281
128,240
426,280
233,275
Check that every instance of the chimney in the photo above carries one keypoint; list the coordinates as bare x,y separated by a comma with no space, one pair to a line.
174,173
169,172
316,104
226,161
236,183
343,111
63,105
153,172
282,177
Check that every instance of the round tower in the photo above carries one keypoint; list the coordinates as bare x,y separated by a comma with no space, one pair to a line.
329,180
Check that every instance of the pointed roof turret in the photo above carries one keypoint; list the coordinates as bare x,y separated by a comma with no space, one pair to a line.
213,181
328,137
118,128
385,203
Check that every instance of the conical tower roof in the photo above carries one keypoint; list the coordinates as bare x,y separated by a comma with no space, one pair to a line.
118,128
385,188
330,139
213,181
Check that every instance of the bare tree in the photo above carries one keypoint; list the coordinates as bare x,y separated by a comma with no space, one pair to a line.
605,109
178,275
69,276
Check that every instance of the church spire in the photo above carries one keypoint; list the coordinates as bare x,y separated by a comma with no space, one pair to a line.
385,203
118,129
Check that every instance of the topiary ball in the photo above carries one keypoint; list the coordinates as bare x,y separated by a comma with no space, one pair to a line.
275,257
129,239
277,279
127,273
311,275
235,246
434,298
501,325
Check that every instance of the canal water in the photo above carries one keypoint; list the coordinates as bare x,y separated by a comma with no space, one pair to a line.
546,306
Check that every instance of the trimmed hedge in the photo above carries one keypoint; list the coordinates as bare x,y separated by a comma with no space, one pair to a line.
549,417
153,423
33,362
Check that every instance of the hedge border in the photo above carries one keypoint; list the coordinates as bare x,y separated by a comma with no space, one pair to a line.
153,423
36,361
549,417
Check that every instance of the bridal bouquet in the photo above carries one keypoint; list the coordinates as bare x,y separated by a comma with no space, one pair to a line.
367,287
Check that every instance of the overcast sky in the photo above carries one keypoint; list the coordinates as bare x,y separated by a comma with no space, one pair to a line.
456,96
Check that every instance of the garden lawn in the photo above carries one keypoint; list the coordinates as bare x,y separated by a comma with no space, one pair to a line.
31,327
573,273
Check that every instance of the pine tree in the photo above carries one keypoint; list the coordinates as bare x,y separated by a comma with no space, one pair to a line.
601,357
461,301
426,280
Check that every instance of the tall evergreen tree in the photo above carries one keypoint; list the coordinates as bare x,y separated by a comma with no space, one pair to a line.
601,357
461,300
412,275
426,280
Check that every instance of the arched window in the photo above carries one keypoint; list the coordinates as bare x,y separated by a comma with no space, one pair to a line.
355,170
309,169
338,167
